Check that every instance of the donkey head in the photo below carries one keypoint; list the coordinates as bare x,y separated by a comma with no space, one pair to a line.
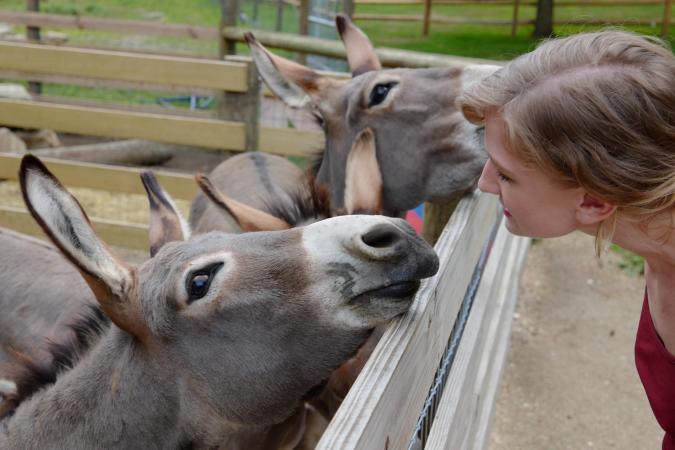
396,133
239,327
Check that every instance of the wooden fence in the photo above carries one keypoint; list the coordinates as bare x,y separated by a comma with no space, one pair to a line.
459,320
37,62
427,17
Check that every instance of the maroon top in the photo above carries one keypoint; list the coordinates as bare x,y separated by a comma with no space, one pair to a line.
656,367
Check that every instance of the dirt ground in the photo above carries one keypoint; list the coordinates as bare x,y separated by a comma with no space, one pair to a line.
570,380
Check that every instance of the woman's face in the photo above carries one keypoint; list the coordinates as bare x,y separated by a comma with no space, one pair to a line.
534,205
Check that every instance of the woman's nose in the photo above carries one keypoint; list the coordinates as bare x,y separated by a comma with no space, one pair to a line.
488,179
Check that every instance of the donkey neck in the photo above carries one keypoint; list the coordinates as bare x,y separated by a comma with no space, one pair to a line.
114,397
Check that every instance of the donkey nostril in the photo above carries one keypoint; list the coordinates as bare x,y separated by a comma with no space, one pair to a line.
382,236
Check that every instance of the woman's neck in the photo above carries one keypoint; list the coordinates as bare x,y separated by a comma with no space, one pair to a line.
654,241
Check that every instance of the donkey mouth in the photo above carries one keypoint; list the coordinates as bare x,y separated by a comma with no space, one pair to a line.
396,291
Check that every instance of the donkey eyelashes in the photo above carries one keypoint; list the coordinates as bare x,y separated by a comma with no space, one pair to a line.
198,282
379,93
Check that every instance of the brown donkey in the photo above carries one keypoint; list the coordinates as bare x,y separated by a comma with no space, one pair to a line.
417,144
256,191
215,339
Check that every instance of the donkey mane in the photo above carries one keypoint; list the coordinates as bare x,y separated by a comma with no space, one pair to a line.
303,207
31,375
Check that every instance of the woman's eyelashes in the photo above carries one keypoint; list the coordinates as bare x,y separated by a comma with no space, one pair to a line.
503,177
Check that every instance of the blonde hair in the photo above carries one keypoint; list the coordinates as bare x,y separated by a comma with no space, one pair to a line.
595,110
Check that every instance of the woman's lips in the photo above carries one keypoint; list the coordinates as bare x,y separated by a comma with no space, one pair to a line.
507,213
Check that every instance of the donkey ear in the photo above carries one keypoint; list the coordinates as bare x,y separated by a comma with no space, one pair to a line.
166,222
65,223
363,180
292,82
360,52
248,218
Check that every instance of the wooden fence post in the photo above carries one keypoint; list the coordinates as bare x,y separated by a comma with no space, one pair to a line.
665,25
514,24
280,15
244,107
234,106
229,11
427,17
348,8
303,26
33,35
436,215
543,25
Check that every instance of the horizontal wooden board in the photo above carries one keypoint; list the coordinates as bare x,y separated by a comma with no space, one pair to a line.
497,360
103,84
102,122
288,141
120,234
123,66
389,57
382,407
145,28
468,396
105,177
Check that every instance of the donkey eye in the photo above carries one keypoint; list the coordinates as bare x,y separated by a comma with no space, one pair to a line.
199,281
380,92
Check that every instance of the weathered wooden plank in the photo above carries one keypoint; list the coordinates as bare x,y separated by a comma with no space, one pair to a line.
289,141
113,25
389,57
101,122
102,84
121,234
123,66
497,360
382,407
436,19
457,406
468,396
99,176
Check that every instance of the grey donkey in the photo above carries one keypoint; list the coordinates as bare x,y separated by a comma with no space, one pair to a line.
256,191
216,339
414,143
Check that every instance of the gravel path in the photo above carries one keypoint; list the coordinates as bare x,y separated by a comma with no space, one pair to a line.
570,380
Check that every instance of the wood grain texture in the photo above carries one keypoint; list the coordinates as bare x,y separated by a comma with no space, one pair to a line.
120,234
104,122
105,177
468,399
382,407
124,66
145,28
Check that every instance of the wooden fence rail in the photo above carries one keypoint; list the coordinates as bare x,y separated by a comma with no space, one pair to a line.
138,27
426,16
32,60
95,176
382,408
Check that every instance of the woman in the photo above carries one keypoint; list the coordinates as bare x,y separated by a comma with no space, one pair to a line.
581,136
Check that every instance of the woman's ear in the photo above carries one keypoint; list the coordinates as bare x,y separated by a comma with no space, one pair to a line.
592,210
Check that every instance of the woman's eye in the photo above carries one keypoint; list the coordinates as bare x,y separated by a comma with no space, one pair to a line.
200,281
503,177
379,93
